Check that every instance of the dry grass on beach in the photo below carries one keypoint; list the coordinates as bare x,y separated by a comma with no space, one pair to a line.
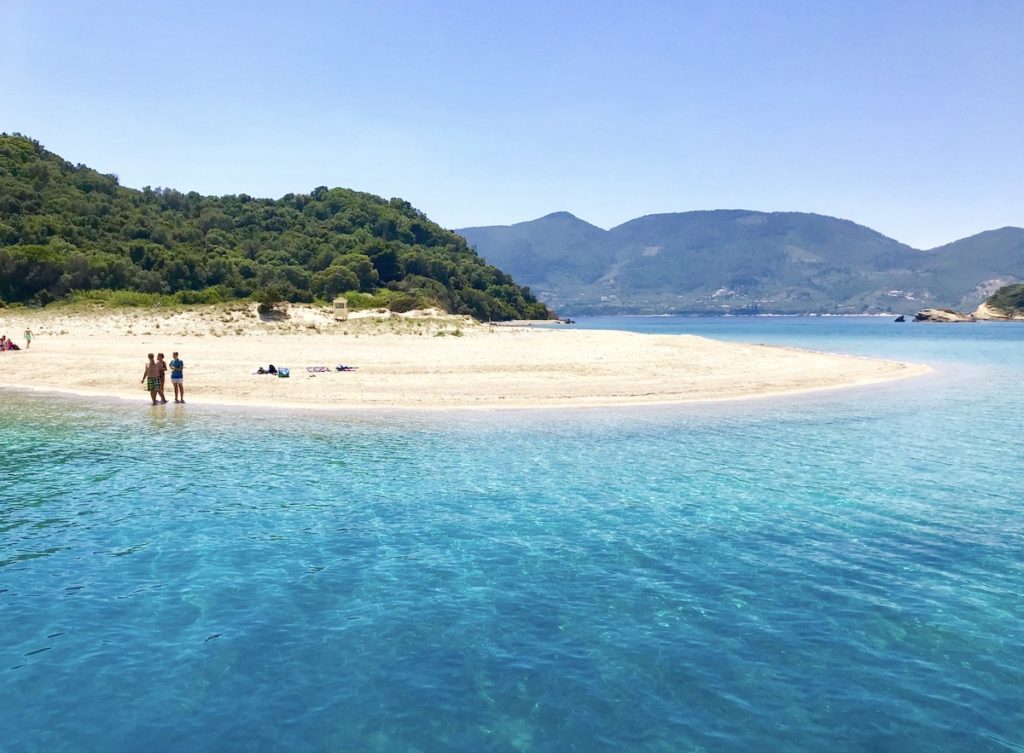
416,360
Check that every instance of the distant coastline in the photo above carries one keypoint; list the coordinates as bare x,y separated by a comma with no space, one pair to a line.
741,316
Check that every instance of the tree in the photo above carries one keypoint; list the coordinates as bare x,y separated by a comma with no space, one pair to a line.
363,269
334,280
267,300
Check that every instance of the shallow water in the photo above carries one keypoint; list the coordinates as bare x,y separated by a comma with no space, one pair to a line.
839,571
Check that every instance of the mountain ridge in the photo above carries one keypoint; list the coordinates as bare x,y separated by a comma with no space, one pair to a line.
563,213
744,261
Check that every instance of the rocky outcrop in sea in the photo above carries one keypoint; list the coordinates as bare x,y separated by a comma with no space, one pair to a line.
984,313
943,315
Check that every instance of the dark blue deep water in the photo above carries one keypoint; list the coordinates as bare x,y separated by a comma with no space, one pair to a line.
838,571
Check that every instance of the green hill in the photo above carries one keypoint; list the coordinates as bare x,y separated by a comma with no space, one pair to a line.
967,271
1009,299
66,228
738,261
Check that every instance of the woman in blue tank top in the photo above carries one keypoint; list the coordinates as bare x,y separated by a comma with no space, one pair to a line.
177,377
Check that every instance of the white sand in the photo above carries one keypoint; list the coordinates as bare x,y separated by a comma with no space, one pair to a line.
405,362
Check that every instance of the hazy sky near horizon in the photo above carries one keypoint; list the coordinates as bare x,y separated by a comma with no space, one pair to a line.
902,116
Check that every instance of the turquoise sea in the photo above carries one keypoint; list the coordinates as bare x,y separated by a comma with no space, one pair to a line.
837,571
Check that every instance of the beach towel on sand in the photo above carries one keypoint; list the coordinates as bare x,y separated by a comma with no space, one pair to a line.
316,369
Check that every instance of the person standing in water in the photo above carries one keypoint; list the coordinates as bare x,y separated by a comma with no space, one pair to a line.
177,377
151,376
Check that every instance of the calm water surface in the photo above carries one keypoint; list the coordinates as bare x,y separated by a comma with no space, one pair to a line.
841,571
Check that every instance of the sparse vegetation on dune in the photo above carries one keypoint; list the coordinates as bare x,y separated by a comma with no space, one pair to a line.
165,318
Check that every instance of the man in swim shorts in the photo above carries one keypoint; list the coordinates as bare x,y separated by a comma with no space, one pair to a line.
151,376
163,375
177,377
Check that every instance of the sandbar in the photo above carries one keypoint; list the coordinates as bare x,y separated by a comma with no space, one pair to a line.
419,360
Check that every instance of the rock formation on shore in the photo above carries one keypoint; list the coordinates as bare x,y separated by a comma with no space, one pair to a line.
988,312
1006,304
943,315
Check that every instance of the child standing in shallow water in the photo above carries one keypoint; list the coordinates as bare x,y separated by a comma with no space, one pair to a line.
177,377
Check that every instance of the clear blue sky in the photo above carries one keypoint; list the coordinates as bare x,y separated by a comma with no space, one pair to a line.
907,117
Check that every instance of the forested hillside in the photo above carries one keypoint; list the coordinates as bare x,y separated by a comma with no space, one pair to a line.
66,228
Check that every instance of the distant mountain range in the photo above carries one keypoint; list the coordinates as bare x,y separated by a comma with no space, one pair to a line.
744,262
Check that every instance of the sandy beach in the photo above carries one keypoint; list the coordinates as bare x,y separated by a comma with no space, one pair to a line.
418,360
